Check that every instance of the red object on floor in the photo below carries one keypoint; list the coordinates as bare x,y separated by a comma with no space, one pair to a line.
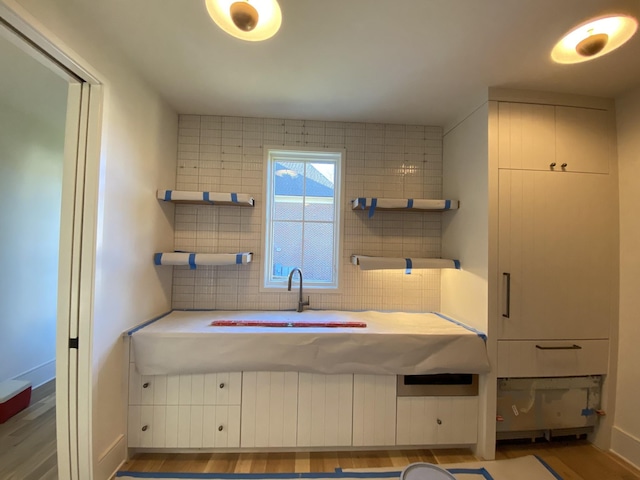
259,323
14,403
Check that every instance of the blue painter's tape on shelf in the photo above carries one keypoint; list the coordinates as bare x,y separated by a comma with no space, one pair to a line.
410,203
372,208
205,197
409,266
239,259
167,195
157,259
192,261
234,197
447,204
456,263
362,202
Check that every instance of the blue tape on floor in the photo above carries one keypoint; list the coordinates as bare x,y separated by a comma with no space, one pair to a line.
546,465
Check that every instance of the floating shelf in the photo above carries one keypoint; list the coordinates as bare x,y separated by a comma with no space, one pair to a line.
406,264
206,198
403,204
194,260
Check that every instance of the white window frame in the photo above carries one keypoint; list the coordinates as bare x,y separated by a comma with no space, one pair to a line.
280,153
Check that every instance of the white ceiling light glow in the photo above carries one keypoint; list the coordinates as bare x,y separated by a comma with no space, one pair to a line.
251,20
594,39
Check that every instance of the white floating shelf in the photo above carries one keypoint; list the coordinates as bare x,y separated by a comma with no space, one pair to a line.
194,260
206,198
403,204
407,264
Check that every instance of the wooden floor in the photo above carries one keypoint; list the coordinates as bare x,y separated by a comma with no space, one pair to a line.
28,452
573,460
28,440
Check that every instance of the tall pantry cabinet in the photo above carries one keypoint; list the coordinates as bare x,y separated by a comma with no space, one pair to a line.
551,264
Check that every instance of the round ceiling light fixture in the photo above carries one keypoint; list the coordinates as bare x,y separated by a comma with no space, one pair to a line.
251,20
595,38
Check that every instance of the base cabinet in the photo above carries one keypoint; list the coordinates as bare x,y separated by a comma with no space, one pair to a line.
290,410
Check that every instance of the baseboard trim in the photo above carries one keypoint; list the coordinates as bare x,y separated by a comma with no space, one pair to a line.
111,460
40,374
626,446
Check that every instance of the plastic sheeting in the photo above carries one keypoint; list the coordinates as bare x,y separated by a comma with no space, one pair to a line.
393,343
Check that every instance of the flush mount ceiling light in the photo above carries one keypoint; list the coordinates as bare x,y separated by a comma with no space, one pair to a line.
594,39
251,20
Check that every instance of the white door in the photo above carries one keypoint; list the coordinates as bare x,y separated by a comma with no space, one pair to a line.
556,255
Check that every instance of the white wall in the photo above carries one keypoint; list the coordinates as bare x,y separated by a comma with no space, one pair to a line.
32,119
626,431
226,154
137,156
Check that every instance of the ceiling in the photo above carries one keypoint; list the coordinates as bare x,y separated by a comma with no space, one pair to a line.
393,61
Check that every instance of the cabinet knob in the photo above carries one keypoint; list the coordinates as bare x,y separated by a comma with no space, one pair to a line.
222,385
564,165
552,164
439,422
220,428
145,385
145,428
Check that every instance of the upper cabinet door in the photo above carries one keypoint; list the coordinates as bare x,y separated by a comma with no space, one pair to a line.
526,136
556,255
584,140
553,138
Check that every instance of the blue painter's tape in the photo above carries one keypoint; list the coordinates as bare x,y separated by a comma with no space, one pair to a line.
192,261
234,197
546,465
409,266
167,195
157,259
362,202
239,259
456,263
372,208
482,335
410,203
148,322
447,204
586,412
471,471
205,197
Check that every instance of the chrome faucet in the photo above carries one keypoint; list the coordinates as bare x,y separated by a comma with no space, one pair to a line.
301,303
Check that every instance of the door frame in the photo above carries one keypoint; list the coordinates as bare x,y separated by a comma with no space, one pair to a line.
78,237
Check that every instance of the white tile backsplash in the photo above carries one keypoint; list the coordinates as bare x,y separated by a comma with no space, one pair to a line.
226,154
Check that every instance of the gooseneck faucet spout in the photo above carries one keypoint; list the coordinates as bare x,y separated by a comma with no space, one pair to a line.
301,303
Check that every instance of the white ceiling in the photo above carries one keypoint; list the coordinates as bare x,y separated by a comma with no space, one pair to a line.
396,61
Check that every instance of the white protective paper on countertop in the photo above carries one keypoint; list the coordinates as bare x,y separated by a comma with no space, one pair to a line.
393,343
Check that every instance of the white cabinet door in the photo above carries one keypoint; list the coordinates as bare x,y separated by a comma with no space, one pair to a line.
526,136
325,404
556,255
585,140
437,420
374,410
269,409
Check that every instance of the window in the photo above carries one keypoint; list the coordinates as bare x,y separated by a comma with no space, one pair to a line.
302,201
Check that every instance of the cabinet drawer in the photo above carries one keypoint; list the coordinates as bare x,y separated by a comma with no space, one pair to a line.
173,426
437,420
194,389
552,358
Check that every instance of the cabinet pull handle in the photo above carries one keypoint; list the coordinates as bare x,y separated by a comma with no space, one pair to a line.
220,428
507,276
571,347
552,164
145,385
222,385
564,165
145,428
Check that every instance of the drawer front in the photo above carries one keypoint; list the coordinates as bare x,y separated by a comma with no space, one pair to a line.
173,426
552,358
194,389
